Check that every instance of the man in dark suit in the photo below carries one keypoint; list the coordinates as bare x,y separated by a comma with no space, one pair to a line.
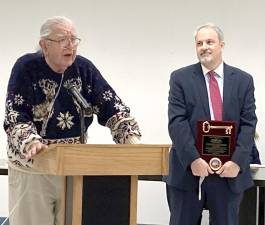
190,100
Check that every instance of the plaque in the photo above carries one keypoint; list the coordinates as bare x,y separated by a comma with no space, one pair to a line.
216,142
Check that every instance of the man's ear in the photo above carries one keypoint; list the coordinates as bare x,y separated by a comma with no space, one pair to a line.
223,44
43,46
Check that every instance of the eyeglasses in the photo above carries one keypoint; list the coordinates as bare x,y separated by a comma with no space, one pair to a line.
65,41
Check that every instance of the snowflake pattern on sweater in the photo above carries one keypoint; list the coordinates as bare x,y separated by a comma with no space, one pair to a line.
39,106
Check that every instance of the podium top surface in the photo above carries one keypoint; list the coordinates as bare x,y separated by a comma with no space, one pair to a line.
103,159
120,146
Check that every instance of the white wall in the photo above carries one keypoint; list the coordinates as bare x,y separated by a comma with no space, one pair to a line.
136,44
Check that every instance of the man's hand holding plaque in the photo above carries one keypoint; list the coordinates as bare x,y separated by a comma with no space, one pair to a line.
216,143
229,169
200,167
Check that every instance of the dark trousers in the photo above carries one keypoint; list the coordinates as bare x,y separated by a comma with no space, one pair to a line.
248,210
186,208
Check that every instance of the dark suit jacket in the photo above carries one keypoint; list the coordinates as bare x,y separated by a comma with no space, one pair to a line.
254,157
188,103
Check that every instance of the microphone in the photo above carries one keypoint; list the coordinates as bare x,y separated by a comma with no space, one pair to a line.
79,98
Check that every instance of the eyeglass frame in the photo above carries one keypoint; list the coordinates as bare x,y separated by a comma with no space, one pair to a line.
69,39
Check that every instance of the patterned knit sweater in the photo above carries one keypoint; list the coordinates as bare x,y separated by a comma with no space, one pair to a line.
40,107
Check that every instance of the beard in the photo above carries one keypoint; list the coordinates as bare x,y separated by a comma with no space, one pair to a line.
205,57
211,59
206,60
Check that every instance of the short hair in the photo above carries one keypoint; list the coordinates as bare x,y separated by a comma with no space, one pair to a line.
212,26
47,26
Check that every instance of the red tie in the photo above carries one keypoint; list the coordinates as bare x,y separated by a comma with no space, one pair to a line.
215,96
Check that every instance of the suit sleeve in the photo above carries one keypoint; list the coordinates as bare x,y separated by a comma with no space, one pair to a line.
246,129
179,127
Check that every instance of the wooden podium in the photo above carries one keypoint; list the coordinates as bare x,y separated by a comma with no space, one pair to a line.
78,160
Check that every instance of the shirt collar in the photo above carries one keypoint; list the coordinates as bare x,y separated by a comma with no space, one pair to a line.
219,70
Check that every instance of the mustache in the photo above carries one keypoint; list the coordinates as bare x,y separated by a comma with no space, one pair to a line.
205,52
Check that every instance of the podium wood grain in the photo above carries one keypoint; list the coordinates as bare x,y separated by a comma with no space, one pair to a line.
78,160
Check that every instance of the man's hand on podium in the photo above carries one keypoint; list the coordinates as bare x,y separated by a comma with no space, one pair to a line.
34,148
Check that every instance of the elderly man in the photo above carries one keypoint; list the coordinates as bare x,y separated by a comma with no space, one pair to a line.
40,111
208,90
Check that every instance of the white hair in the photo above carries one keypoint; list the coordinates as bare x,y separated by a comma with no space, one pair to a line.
48,25
212,26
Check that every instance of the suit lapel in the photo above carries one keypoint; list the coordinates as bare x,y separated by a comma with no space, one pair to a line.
200,87
228,87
